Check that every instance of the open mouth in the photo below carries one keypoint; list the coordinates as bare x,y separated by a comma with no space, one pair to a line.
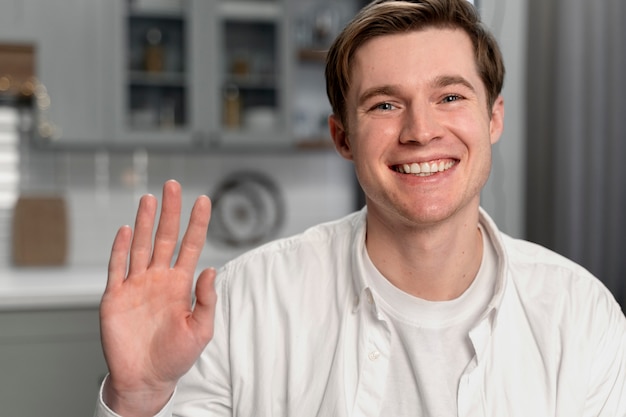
424,169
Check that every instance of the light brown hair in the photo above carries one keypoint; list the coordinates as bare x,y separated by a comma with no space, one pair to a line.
386,17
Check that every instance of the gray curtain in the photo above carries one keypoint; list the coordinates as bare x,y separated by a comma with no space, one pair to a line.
576,185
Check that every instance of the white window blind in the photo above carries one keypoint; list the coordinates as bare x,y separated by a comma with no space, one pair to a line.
9,175
9,156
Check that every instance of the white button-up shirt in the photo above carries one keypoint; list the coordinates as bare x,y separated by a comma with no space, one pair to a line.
298,333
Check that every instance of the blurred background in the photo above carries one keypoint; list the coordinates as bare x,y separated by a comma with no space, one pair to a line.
103,100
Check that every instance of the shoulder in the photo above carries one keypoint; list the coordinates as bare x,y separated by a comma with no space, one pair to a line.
297,276
531,265
558,292
317,248
549,289
324,236
537,272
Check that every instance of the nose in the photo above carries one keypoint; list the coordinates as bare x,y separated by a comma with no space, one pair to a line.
420,125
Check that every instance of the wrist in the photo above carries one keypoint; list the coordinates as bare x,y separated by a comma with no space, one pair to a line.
134,402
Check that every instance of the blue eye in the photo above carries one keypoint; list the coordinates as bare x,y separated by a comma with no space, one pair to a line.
384,106
451,98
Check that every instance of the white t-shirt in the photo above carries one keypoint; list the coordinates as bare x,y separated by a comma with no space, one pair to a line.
430,345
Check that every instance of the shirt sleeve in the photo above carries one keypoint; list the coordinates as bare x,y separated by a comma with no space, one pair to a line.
607,385
102,410
205,390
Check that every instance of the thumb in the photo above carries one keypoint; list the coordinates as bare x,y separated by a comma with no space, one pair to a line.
204,310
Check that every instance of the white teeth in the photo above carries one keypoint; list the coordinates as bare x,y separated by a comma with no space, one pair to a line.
425,168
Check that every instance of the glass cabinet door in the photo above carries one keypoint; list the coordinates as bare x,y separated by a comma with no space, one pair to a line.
157,74
316,23
252,72
153,103
249,77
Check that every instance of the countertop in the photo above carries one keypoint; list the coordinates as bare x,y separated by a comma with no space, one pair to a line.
23,288
63,287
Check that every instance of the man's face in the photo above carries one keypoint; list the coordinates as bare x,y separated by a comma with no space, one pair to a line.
417,104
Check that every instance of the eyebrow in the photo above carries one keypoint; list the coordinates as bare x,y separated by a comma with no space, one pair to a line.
447,80
439,82
383,90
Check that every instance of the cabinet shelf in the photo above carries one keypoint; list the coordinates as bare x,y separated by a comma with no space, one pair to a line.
261,82
160,79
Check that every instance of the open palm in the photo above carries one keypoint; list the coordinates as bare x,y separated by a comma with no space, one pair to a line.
152,332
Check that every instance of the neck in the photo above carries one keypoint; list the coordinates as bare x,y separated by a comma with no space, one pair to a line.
435,263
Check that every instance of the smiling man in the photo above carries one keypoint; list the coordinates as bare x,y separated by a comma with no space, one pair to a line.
419,126
414,306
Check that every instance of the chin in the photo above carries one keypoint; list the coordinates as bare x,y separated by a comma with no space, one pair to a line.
435,214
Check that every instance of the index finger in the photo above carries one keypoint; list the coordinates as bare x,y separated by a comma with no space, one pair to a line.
195,235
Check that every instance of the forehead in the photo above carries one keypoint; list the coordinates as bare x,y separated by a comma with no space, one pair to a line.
414,57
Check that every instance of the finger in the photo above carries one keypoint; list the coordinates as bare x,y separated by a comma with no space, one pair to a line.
204,311
166,236
118,261
141,246
195,235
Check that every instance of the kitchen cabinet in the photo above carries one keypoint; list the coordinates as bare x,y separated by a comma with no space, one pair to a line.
181,74
202,73
224,74
51,361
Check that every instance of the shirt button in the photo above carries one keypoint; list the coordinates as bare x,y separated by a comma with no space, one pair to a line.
373,355
370,298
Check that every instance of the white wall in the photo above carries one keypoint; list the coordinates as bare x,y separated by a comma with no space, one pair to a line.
316,187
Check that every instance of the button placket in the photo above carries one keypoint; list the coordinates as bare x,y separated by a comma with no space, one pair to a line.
373,371
373,355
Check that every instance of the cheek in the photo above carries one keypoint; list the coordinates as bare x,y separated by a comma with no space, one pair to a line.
374,134
482,163
473,131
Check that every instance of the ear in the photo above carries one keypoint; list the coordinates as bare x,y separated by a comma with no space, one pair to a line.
496,124
340,137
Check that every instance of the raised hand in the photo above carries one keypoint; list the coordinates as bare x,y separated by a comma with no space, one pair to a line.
151,332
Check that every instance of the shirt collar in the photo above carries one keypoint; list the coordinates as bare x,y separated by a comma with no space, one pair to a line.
361,288
495,237
481,333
